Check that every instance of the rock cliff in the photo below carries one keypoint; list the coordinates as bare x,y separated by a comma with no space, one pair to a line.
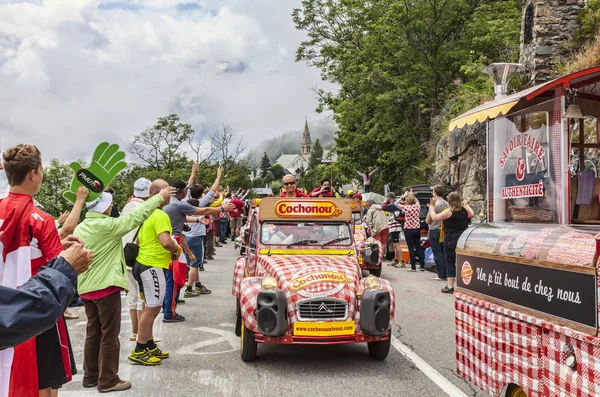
461,161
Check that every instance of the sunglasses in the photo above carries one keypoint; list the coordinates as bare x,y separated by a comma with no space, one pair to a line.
289,183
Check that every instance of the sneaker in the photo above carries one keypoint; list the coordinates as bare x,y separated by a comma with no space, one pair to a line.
122,385
201,269
210,258
399,265
177,319
133,337
203,290
180,301
88,385
411,270
447,290
156,352
190,294
218,245
144,357
422,269
224,242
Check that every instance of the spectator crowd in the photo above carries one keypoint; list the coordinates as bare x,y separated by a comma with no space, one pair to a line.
152,249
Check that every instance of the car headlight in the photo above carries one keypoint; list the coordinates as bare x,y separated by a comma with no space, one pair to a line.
372,283
269,283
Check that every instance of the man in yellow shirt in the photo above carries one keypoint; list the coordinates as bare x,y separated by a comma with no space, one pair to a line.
157,248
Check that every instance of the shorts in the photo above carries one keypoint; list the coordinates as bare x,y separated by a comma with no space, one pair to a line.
50,366
151,281
395,236
133,296
236,223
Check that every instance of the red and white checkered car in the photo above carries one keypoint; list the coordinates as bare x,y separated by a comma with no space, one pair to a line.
298,285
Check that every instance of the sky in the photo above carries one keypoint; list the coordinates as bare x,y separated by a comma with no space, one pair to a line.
76,73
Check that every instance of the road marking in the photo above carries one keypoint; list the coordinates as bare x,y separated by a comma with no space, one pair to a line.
224,336
428,370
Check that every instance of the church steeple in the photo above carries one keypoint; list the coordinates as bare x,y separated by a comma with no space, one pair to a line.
306,145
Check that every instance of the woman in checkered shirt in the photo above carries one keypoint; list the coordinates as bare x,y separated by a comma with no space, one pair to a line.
409,204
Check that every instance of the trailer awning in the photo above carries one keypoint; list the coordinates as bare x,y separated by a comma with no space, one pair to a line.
586,82
487,111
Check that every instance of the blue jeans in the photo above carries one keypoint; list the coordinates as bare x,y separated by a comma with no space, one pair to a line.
168,304
450,255
196,245
438,252
223,230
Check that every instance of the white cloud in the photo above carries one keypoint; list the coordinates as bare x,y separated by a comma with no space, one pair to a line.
76,73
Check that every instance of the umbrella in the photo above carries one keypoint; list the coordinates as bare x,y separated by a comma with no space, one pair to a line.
376,197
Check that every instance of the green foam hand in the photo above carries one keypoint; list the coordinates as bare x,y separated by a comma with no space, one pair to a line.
107,162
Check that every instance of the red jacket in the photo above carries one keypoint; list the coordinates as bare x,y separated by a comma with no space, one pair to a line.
299,193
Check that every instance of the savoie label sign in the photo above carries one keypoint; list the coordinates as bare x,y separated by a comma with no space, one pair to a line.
561,293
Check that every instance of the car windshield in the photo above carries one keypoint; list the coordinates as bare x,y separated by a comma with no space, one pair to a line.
306,233
356,219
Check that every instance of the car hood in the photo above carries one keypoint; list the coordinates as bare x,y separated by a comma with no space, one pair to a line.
313,276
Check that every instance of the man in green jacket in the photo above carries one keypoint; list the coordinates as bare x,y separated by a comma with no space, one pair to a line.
101,285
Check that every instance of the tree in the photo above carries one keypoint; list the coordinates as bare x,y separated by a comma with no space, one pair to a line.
57,179
161,147
226,150
316,155
265,165
277,171
397,64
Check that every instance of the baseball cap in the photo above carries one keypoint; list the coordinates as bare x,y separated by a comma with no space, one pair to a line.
358,196
391,195
179,185
141,188
101,204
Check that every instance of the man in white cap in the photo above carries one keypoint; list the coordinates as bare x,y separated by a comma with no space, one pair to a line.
141,192
101,285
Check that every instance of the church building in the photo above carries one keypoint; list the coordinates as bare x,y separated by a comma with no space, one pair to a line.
297,163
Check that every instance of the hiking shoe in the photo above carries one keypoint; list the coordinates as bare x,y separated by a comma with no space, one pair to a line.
177,319
190,294
447,290
88,385
122,385
144,357
156,352
203,290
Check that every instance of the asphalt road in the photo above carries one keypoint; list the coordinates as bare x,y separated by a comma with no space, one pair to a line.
205,358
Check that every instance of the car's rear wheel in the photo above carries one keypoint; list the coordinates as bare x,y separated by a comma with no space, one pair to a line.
515,391
380,350
249,345
377,272
238,319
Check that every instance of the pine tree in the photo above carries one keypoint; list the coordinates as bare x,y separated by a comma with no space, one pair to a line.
265,165
316,155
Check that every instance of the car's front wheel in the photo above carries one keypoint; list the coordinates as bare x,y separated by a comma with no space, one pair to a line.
249,345
380,350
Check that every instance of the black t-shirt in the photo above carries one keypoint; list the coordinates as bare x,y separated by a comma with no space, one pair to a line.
454,226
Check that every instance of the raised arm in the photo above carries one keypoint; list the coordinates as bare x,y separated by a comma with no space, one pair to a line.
195,168
467,205
445,214
215,185
73,218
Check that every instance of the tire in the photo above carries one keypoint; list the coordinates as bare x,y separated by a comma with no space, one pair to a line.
515,391
249,345
380,350
238,319
377,272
